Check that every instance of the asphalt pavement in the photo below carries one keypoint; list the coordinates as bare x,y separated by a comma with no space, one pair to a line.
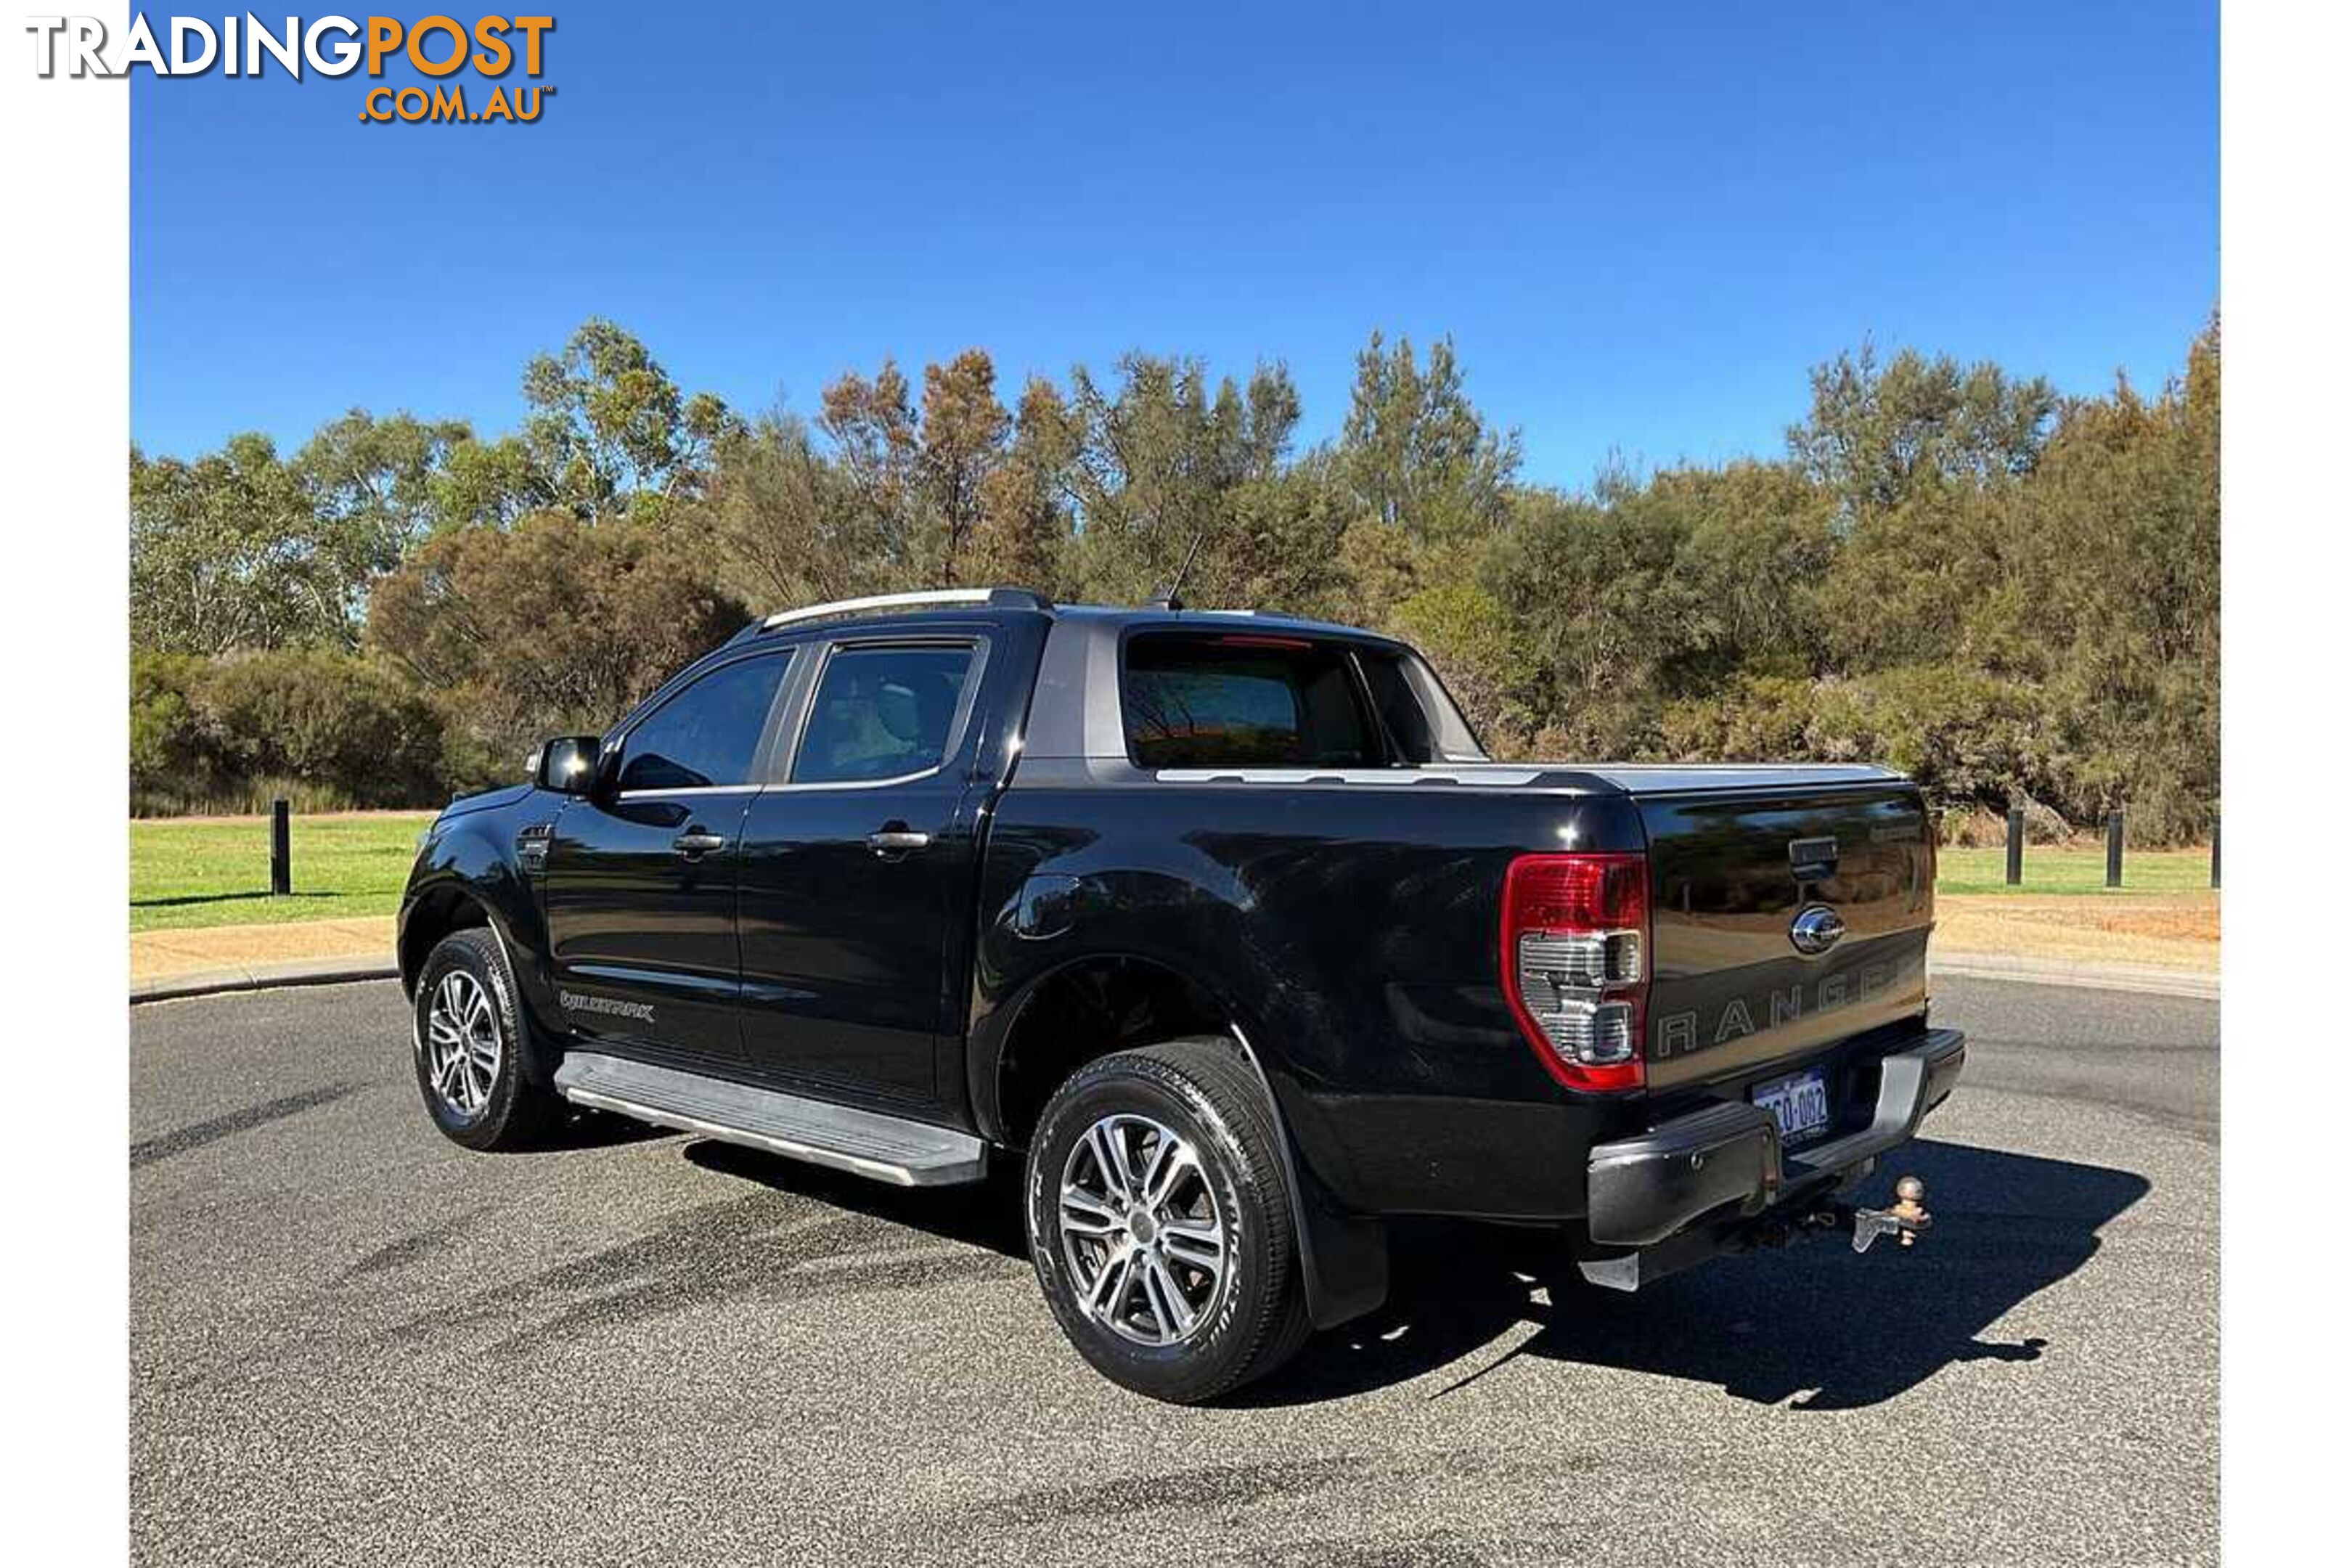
353,1342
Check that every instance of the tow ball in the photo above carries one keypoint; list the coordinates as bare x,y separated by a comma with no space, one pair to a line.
1906,1221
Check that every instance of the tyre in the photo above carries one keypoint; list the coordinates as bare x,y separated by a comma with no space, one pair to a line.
1159,1221
472,1049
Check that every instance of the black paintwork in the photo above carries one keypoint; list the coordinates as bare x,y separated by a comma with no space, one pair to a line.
1348,930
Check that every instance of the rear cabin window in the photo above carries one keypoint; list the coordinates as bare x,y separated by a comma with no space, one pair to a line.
1245,700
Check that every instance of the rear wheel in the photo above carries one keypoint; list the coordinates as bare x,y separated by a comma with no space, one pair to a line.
1159,1221
471,1045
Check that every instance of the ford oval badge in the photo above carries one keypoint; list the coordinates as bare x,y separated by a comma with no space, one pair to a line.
1816,929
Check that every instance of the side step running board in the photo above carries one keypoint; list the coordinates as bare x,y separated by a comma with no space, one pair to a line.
868,1143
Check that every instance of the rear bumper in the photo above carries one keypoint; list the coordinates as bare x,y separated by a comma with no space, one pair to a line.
1728,1157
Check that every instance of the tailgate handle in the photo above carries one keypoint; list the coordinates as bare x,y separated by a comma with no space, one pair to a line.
1812,858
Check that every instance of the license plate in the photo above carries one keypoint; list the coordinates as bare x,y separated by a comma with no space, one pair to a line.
1799,1103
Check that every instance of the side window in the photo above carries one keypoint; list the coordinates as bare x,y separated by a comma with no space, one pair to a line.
1421,719
706,735
882,713
1242,700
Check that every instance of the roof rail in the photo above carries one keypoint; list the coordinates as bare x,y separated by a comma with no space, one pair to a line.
1009,598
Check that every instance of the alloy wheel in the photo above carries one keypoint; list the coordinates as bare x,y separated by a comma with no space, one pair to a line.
462,1043
1141,1233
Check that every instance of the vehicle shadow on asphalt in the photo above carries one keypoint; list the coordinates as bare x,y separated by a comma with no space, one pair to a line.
1813,1325
986,1213
585,1128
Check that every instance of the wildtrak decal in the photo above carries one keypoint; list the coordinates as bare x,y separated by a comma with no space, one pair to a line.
613,1007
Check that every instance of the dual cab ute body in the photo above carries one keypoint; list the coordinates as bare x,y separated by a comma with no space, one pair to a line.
884,885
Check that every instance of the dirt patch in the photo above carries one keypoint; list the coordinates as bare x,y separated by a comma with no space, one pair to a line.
2180,931
164,954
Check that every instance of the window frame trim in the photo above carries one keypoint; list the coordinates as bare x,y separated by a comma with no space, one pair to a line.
762,744
959,725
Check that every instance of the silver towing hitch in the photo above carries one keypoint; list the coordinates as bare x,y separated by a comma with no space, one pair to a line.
1906,1222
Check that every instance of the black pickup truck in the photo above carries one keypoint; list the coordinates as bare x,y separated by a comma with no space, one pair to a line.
1221,928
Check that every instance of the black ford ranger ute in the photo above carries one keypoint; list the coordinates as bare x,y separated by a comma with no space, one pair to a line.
1222,926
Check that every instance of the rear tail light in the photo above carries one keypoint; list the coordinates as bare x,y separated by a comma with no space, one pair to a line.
1576,963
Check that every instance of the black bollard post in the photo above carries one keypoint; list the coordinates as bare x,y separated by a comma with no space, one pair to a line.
2016,845
281,850
2115,848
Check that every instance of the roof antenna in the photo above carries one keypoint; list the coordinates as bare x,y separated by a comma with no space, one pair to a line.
1168,599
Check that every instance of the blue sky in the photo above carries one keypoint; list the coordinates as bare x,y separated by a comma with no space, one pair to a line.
1640,223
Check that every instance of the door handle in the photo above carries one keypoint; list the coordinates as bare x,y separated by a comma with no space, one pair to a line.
697,841
896,840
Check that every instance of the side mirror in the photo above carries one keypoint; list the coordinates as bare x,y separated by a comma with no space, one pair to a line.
567,764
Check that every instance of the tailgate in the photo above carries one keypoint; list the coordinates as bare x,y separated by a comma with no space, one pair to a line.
1740,882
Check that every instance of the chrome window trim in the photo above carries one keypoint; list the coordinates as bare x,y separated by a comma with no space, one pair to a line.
789,787
690,789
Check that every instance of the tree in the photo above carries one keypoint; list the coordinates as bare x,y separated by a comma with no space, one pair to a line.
1480,649
554,625
2123,544
610,432
878,444
1752,542
1874,434
1951,569
1416,453
1160,458
1605,612
373,478
964,429
788,522
1024,534
488,484
231,551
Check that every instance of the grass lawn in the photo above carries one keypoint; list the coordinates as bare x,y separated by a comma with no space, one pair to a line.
211,871
2050,869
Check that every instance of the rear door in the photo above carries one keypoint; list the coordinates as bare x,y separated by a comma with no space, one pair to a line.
1784,916
857,869
641,879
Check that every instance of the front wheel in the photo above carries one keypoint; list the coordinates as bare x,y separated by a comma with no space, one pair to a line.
470,1046
1159,1221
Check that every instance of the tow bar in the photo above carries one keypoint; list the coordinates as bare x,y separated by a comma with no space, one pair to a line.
1906,1222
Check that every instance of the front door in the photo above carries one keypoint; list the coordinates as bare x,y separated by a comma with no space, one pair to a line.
641,875
855,869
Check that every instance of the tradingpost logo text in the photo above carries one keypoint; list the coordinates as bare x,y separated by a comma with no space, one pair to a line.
492,48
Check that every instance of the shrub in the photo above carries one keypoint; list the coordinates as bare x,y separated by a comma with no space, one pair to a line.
327,720
172,763
325,730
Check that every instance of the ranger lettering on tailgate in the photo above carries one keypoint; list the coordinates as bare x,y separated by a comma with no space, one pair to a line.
1679,1034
